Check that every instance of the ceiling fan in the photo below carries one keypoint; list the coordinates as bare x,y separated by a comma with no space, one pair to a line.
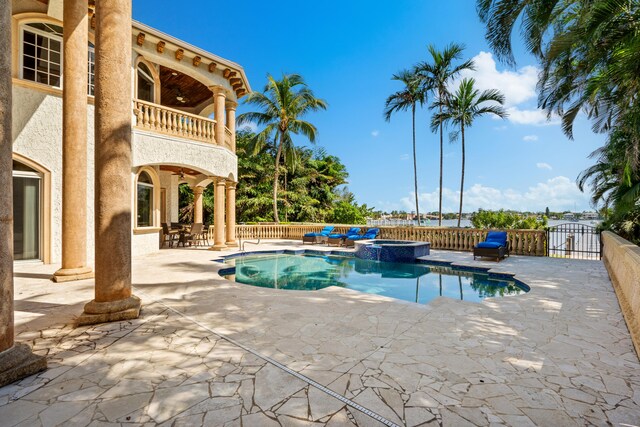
180,97
181,175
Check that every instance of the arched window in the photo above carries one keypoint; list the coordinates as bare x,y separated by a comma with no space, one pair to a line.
144,217
27,187
145,83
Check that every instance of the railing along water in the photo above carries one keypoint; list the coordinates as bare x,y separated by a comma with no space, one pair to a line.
158,118
523,242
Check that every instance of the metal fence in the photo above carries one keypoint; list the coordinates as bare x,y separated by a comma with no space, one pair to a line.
574,240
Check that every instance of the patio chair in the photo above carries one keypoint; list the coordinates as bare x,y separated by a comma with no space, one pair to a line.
318,237
494,246
194,236
169,236
338,239
370,234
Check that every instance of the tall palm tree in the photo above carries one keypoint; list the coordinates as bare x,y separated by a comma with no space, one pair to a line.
283,102
435,77
412,94
461,109
590,57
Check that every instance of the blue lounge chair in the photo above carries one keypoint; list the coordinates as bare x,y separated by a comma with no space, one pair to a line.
318,237
494,246
371,233
338,239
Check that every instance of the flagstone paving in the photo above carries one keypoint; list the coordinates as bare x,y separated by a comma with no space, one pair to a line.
207,351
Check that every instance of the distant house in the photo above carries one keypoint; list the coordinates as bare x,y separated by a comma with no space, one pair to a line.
590,215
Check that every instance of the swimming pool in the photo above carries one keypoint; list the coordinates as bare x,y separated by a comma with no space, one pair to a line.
406,281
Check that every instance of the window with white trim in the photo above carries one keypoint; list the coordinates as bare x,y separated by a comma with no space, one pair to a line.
92,70
42,55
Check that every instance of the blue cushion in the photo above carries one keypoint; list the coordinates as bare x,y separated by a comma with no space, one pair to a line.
325,232
353,230
492,245
497,236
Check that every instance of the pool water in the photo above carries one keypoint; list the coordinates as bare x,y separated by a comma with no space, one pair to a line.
406,281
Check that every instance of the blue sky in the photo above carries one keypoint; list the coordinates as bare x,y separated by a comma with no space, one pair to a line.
347,52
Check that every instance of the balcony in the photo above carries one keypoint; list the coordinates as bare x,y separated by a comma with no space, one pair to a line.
165,120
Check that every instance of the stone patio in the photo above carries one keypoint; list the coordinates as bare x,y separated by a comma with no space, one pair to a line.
207,351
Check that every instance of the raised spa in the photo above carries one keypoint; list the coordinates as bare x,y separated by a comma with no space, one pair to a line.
391,250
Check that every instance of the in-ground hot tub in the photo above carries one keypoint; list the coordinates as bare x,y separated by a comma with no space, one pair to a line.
391,250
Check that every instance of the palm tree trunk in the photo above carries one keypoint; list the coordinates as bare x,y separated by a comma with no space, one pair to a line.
441,165
461,176
415,167
275,179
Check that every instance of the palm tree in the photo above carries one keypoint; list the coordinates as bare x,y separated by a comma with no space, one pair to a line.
461,109
407,98
589,52
283,102
435,77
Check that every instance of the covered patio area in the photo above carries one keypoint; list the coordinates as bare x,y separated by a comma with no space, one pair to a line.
209,351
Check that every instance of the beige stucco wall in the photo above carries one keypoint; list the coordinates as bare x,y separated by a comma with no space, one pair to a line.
622,259
156,149
37,135
142,244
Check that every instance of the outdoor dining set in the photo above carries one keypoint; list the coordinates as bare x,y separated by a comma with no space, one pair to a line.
184,234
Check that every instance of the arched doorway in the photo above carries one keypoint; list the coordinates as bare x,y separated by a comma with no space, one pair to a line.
27,213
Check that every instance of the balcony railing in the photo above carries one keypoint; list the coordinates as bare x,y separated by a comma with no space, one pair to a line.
158,118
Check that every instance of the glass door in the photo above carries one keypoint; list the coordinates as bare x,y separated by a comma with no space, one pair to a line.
26,215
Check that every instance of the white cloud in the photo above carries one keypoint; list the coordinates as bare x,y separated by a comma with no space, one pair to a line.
251,126
558,193
500,128
404,157
518,87
543,166
530,138
375,133
531,117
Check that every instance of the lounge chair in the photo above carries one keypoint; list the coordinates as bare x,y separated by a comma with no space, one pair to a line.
318,237
370,234
338,239
494,246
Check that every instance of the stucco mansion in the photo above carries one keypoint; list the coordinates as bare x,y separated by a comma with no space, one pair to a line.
102,120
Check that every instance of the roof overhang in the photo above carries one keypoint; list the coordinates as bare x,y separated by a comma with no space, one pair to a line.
231,71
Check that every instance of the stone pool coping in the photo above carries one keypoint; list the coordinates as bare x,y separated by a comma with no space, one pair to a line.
558,356
490,271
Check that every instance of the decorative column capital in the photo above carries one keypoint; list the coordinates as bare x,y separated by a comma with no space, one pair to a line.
218,180
231,185
198,189
218,90
230,105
